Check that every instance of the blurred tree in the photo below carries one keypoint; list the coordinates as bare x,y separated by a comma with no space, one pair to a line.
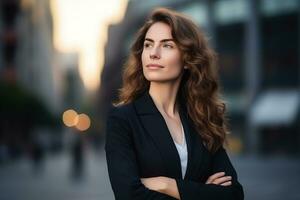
16,103
21,111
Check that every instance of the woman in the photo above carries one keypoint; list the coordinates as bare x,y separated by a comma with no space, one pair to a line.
165,135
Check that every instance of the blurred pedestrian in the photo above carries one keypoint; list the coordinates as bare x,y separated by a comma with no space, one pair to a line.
77,158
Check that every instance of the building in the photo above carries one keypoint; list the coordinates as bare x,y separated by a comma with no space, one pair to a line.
258,47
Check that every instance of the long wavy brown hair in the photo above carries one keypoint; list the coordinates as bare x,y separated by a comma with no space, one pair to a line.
199,84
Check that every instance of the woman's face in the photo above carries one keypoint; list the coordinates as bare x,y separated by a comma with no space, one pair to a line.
161,57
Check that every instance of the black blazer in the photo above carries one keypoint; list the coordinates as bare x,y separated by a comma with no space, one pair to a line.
139,145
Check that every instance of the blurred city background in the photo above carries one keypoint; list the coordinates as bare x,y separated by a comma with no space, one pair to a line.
60,68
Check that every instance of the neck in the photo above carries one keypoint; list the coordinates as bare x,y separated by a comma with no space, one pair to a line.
164,96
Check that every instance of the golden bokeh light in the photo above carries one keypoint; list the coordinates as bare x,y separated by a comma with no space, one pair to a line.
83,123
70,118
82,26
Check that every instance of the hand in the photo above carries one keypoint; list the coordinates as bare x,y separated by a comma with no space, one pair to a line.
158,183
219,179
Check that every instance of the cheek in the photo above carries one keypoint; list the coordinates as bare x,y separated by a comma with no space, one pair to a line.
143,57
175,63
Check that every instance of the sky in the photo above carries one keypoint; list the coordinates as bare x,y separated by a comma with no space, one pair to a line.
81,26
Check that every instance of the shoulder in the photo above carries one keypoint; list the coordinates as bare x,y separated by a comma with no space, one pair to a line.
129,111
121,111
117,121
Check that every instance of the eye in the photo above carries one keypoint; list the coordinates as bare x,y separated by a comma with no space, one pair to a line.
147,44
168,46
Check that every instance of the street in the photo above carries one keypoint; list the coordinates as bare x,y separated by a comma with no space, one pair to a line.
262,179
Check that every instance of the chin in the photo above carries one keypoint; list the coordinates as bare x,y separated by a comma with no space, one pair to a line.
156,77
160,79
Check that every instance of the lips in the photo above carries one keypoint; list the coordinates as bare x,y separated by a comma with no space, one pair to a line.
154,66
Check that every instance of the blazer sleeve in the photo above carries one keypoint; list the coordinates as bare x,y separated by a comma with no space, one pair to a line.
191,190
122,164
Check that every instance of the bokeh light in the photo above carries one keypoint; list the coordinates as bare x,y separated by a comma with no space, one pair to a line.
89,20
70,118
83,122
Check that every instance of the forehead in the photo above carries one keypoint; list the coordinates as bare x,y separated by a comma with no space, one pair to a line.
159,31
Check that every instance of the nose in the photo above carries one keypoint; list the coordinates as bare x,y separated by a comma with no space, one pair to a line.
154,54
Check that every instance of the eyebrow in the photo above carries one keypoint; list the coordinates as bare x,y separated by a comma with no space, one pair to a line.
164,40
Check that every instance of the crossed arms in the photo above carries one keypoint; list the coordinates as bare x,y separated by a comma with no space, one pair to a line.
127,185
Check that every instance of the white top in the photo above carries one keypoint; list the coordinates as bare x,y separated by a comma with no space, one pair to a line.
182,151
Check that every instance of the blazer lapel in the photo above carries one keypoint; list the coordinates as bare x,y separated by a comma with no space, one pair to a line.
156,127
187,133
195,157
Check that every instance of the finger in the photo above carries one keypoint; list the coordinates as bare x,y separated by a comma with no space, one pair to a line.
214,176
222,180
226,183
